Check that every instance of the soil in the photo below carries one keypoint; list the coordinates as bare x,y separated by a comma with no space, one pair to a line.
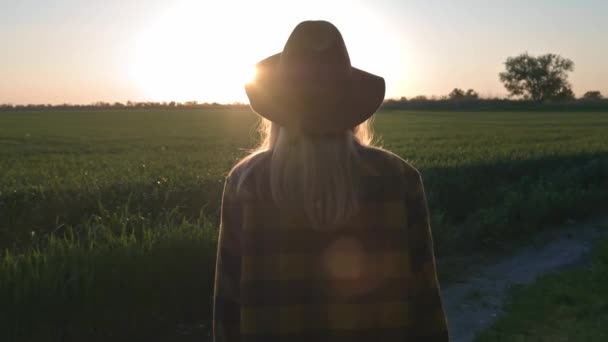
474,301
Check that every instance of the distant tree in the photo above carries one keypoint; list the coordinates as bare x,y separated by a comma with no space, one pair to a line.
419,98
459,94
565,94
537,78
456,94
471,94
593,95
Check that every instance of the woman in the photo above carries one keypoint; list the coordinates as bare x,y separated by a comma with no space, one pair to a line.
322,237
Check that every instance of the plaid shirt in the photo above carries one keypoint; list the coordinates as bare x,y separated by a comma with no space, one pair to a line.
373,278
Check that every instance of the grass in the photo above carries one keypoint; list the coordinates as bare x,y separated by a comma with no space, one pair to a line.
97,285
107,218
571,305
492,173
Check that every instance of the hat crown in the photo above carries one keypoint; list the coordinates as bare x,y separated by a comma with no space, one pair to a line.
311,85
315,49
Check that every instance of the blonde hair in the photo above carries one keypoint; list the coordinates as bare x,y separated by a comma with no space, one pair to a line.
314,172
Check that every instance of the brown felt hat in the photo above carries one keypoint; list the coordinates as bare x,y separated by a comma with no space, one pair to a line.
311,85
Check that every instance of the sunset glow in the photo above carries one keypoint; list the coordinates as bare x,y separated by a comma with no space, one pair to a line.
187,50
187,55
191,53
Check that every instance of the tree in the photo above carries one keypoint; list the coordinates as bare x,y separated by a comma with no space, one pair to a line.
537,78
459,94
565,94
456,94
419,98
593,95
471,94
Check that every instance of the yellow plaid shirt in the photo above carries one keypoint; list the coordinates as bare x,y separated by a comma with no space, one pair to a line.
371,279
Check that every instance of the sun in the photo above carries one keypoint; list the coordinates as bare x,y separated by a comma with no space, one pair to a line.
185,56
206,51
250,77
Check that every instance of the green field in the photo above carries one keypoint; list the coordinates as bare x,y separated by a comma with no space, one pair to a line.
108,218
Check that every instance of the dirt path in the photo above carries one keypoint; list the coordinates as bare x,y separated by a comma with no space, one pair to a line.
473,303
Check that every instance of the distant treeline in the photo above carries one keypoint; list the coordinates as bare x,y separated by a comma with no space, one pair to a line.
127,105
416,103
494,104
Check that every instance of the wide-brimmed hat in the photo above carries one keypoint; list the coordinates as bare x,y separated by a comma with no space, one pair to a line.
311,85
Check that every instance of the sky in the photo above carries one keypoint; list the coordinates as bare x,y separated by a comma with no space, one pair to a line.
84,51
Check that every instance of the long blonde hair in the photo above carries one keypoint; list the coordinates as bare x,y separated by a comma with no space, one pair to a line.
316,173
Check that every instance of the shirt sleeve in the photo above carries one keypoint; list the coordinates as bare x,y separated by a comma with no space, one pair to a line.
430,320
226,298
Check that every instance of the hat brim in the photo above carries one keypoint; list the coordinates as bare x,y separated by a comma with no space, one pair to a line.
314,107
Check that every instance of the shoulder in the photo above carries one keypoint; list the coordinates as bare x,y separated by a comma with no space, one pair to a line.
246,175
384,161
252,163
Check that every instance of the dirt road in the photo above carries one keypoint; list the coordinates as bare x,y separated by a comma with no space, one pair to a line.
473,303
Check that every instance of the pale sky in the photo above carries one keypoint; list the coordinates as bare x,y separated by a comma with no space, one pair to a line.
83,51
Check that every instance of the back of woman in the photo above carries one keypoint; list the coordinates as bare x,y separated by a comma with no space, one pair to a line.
322,237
